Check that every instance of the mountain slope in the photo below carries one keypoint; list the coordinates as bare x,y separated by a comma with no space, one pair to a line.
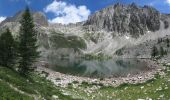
104,32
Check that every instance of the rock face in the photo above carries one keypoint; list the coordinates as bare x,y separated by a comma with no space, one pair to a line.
125,19
40,19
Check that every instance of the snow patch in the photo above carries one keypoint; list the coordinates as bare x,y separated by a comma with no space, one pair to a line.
127,37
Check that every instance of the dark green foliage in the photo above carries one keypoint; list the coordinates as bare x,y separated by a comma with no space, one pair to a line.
167,41
75,82
154,52
99,56
159,40
7,49
61,41
85,83
120,51
162,52
27,44
166,24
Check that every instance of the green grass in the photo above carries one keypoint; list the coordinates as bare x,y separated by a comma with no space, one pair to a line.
38,86
7,93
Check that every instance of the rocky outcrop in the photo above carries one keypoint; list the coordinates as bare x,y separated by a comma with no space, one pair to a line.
125,19
165,18
40,19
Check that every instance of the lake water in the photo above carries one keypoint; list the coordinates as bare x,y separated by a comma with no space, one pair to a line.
100,68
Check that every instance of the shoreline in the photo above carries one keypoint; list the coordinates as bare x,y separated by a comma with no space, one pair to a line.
60,79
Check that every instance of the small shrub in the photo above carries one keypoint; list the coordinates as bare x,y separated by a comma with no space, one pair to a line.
85,83
101,79
75,82
58,79
46,74
69,84
101,84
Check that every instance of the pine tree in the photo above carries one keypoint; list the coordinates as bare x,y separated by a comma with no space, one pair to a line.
159,40
167,41
165,52
7,49
162,52
154,52
27,44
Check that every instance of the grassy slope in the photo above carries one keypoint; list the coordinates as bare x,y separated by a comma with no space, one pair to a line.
39,87
7,93
157,88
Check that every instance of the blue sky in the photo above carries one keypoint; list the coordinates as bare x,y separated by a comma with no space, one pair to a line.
71,11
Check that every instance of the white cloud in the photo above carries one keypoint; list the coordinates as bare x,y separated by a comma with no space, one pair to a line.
27,2
2,19
67,13
168,1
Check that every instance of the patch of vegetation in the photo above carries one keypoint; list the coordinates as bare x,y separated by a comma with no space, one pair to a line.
85,83
75,82
35,85
96,57
166,24
45,73
60,41
154,52
94,37
160,49
119,52
58,78
7,93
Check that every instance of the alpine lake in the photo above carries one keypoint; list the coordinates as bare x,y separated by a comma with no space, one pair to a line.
100,68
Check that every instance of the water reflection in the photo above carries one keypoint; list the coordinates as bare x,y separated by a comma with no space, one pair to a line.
98,68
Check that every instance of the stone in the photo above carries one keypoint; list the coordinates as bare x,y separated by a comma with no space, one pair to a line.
55,96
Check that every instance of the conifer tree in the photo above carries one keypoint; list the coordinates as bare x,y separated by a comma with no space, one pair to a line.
154,52
27,44
167,41
7,49
162,52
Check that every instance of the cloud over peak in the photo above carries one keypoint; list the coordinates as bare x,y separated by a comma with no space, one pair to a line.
2,18
67,13
168,1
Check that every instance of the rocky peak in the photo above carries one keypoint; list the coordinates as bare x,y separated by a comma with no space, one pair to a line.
122,19
133,5
39,18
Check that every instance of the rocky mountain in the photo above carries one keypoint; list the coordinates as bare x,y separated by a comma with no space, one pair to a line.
105,32
126,19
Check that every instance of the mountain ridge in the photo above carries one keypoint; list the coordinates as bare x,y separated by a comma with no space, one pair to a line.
126,19
105,32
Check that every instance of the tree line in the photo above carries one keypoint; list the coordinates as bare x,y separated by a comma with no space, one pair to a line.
22,52
160,51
